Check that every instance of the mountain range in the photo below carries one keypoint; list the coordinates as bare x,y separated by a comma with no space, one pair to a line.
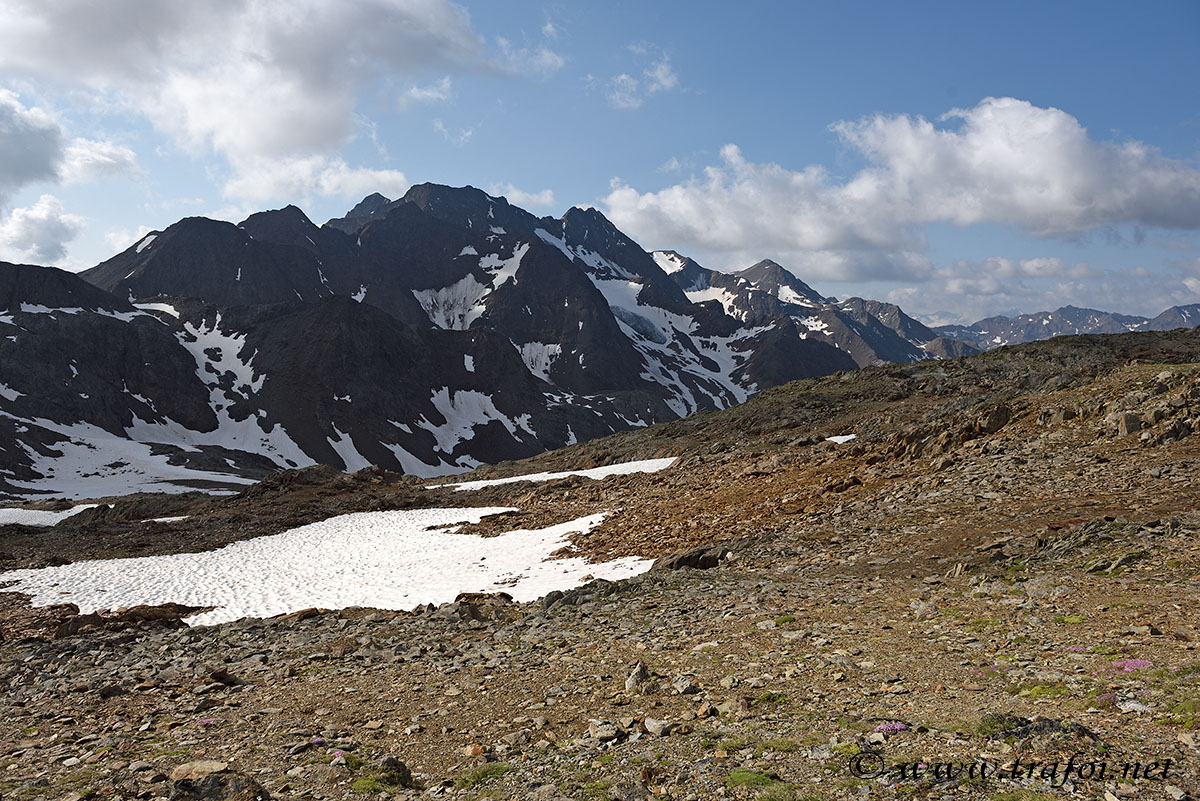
426,335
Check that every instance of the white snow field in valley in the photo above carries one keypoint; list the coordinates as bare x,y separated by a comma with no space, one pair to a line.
622,469
35,517
386,560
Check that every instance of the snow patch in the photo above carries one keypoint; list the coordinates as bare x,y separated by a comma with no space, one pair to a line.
455,306
539,356
387,560
145,243
347,452
622,469
504,269
668,262
35,517
166,308
789,295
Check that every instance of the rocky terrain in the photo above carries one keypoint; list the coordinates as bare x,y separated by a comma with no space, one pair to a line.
1001,569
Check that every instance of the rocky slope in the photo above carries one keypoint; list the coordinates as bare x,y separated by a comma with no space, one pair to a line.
1001,567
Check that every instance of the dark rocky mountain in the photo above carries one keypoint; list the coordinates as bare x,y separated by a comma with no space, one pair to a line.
1176,317
994,332
868,331
427,335
358,216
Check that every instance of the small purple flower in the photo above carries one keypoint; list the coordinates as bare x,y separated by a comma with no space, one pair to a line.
1076,649
890,728
1130,665
318,741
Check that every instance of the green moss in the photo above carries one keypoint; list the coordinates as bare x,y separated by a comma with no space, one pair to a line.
369,784
771,698
779,746
736,743
382,780
983,623
784,620
1038,691
744,777
473,777
1073,620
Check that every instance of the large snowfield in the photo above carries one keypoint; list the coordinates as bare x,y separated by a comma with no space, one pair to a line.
387,560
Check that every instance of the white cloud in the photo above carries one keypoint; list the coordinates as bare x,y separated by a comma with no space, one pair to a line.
1003,161
31,146
264,180
672,164
661,77
248,78
537,61
626,92
1011,162
521,198
438,92
121,239
87,160
38,233
549,30
967,291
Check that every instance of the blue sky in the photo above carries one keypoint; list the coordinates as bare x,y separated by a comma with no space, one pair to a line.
961,159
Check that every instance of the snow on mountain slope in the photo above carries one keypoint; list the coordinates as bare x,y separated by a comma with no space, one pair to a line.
995,332
428,334
868,331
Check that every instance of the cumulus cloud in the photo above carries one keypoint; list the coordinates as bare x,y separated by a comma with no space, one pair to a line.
262,180
966,291
39,233
248,78
31,146
521,198
121,239
1004,161
87,160
33,149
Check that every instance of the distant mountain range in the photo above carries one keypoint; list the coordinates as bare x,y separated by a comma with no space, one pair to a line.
997,331
427,334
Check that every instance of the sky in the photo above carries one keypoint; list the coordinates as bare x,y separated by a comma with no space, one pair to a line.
959,159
